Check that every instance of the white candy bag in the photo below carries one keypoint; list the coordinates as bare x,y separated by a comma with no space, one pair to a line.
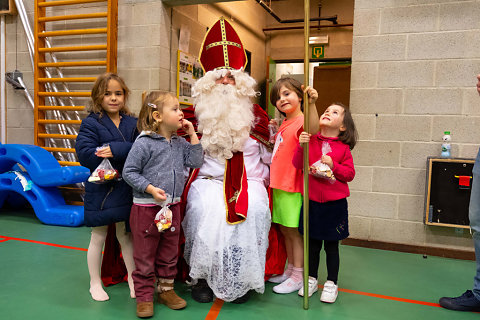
322,170
163,218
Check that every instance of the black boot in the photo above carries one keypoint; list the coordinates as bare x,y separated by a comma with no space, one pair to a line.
201,292
242,299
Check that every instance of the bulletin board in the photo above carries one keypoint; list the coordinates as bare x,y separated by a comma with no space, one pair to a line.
189,70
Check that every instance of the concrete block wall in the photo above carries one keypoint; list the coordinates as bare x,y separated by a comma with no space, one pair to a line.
414,67
144,59
19,111
148,33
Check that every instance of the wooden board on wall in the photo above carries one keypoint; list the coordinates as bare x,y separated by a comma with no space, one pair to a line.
333,85
446,201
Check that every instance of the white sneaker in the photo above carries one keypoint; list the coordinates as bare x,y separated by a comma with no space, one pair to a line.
278,279
312,287
330,292
288,286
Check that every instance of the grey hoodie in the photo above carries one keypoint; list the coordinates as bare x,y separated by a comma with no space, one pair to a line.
153,160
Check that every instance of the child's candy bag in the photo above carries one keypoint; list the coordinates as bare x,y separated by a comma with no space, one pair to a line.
163,218
104,173
322,170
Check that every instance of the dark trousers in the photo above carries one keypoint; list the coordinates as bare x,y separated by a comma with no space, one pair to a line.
155,253
333,258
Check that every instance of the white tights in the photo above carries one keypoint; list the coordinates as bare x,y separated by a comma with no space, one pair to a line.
94,258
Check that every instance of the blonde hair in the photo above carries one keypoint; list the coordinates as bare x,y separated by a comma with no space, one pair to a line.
99,89
153,101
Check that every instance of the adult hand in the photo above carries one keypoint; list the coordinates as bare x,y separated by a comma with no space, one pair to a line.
274,124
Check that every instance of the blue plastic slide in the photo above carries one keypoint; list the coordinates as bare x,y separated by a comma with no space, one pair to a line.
38,183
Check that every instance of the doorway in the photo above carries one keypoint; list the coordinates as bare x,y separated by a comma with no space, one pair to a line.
330,78
332,81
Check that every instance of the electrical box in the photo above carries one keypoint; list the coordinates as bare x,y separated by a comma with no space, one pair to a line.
8,7
449,181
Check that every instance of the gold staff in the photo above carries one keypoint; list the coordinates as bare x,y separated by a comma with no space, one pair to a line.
306,128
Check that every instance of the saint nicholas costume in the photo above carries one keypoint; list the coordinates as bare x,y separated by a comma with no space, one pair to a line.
227,216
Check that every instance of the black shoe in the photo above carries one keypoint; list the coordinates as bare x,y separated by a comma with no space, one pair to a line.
242,299
466,302
201,292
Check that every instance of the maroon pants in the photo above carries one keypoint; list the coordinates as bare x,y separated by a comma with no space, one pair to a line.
155,253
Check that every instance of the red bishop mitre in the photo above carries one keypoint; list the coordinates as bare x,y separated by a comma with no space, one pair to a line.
222,48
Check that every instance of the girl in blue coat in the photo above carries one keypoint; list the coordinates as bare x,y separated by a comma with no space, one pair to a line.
109,123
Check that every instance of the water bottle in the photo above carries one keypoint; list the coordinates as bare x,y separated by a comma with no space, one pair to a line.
446,145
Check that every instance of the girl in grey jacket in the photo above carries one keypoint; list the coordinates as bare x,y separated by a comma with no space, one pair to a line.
155,170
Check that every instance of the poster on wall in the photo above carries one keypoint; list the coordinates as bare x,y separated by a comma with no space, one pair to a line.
188,71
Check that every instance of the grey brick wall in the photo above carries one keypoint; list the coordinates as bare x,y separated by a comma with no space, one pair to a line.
414,64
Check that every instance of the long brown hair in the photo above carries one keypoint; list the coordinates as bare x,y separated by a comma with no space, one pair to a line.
350,135
289,83
99,89
153,101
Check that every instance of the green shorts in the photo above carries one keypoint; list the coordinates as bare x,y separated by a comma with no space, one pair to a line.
286,208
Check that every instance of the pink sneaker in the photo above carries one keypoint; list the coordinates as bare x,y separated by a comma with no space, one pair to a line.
278,279
288,286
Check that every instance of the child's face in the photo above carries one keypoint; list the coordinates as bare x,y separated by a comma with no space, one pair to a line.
288,101
172,115
333,117
114,98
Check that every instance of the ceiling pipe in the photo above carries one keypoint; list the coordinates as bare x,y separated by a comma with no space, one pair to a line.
311,27
333,19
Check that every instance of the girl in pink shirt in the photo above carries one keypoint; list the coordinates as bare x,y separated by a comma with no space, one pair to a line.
331,168
285,180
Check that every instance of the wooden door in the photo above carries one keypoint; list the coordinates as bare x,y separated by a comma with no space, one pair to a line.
333,85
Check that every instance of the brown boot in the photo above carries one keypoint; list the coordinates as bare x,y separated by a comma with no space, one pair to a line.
145,309
168,297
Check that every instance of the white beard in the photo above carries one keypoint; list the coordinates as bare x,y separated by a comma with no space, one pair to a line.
225,118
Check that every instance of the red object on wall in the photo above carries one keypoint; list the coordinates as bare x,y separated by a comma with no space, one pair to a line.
464,181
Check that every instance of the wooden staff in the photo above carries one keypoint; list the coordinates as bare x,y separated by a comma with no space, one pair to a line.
306,69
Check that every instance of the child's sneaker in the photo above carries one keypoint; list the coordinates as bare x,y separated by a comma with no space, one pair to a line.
288,286
278,279
312,287
330,292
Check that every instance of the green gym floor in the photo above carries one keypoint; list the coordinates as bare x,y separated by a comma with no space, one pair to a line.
43,275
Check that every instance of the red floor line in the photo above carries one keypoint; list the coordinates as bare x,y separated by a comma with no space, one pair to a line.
42,242
214,310
381,296
217,305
